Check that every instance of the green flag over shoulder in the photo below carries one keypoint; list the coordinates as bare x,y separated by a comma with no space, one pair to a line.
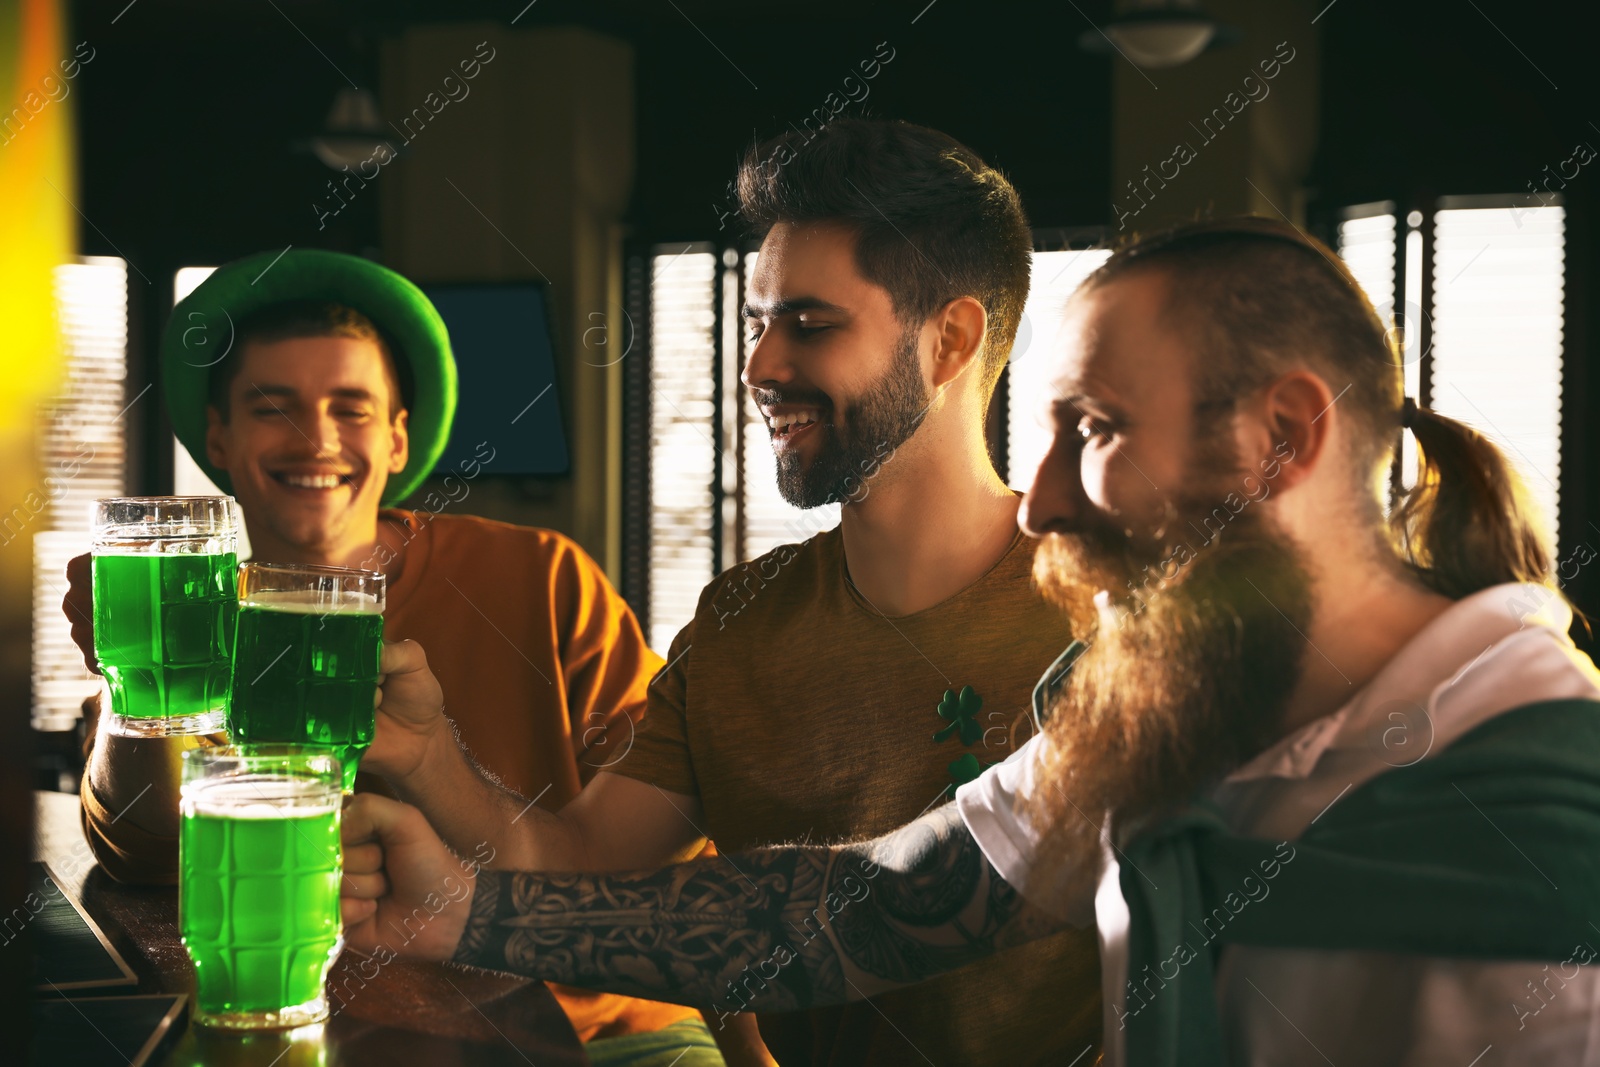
1488,850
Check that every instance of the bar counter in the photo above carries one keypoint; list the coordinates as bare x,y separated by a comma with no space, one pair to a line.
402,1012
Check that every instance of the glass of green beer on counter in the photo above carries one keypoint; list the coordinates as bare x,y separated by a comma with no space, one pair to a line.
305,663
164,604
258,889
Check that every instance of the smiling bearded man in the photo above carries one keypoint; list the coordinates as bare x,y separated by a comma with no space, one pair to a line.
855,439
812,693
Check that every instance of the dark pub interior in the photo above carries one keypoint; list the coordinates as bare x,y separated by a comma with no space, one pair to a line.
679,532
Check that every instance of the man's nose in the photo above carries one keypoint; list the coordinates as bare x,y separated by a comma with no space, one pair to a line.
322,431
767,365
1056,501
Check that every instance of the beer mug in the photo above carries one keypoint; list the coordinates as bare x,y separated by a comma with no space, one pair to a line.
258,886
305,663
164,605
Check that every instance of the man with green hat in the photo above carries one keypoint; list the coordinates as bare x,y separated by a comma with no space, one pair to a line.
318,389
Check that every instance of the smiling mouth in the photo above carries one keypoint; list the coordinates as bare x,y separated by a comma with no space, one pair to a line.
787,425
313,481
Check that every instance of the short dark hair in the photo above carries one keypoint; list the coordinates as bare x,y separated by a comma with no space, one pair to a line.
308,318
933,221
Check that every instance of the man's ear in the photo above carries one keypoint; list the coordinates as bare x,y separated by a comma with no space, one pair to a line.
216,438
1297,415
960,326
401,446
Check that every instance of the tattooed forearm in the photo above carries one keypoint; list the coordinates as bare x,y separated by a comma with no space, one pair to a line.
692,933
772,930
944,908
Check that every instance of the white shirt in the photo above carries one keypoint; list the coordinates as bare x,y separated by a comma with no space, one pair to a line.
1495,650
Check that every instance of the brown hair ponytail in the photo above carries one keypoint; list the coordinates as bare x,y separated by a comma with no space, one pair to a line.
1468,523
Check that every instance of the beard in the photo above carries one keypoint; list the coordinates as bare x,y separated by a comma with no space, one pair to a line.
1188,672
879,422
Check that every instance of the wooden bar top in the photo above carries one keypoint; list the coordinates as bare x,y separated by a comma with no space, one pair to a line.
401,1012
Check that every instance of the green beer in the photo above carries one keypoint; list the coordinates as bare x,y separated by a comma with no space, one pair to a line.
306,658
162,629
164,607
258,903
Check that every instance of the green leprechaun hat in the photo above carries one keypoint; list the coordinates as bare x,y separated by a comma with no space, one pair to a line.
201,332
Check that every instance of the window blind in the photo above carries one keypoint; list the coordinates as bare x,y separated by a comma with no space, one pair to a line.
1497,333
82,457
683,453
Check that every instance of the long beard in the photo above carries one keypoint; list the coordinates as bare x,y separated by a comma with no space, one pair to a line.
1187,675
875,425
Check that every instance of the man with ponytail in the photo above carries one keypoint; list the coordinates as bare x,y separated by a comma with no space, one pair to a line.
1327,786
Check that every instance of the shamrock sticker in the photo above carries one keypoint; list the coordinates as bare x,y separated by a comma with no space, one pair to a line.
963,769
960,710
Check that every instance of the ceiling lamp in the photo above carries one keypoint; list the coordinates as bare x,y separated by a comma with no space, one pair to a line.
353,131
1155,34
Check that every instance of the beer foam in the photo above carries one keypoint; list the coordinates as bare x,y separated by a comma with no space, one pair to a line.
140,542
260,796
315,602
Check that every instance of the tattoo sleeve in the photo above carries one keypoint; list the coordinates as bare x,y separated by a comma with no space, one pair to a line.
770,930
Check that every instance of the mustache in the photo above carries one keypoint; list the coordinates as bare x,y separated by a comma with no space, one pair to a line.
1072,568
1069,569
1101,552
807,397
1100,546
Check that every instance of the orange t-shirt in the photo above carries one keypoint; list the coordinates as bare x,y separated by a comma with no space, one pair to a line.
543,665
544,671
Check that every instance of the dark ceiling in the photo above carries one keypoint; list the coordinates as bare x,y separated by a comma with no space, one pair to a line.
191,110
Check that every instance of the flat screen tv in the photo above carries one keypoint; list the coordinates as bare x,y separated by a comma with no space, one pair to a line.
508,398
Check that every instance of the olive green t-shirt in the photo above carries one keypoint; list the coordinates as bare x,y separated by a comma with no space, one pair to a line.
795,711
